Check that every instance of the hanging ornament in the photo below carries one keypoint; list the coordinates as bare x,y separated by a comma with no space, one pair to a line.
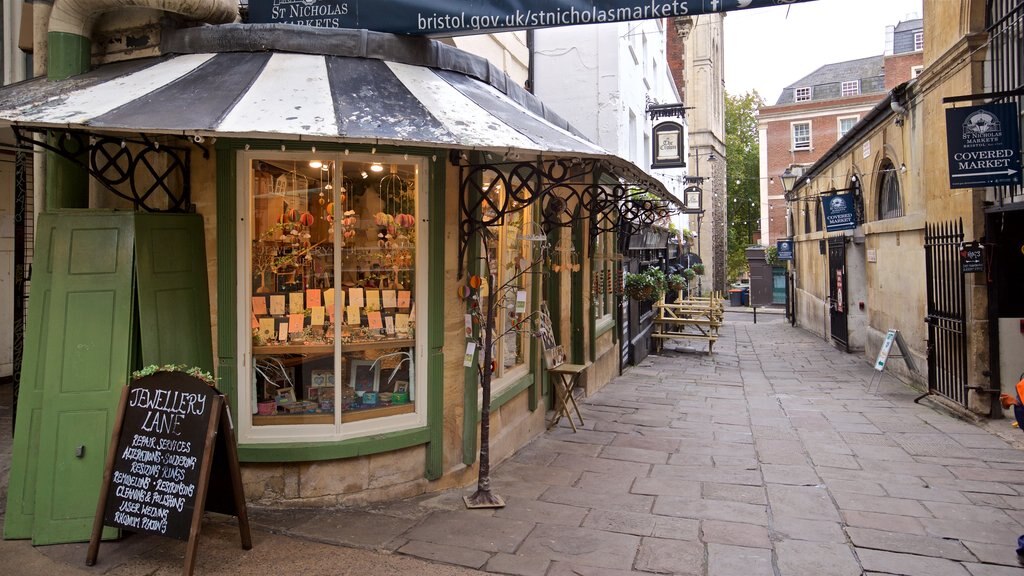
306,219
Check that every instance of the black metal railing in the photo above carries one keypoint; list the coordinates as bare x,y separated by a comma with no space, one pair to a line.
1006,67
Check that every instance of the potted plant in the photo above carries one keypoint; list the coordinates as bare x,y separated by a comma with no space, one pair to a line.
640,287
676,282
698,269
689,274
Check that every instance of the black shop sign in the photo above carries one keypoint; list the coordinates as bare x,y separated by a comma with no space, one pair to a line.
984,145
839,212
172,456
972,257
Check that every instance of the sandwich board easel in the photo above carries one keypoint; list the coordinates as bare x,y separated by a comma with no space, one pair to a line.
893,335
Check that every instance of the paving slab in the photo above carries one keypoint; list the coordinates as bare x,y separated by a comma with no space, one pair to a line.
725,560
671,557
909,564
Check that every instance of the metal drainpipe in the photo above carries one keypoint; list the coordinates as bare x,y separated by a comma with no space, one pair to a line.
69,52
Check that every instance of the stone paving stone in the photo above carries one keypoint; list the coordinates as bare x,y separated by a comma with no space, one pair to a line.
729,461
831,460
734,533
799,558
634,455
581,436
485,533
562,447
666,487
994,500
983,440
785,528
849,417
552,475
967,531
570,569
908,543
738,561
990,570
586,499
926,494
876,438
734,437
979,486
856,486
905,468
609,426
801,502
541,512
890,453
581,546
715,448
605,483
711,510
851,427
995,553
517,564
622,522
670,556
908,564
353,528
794,475
676,528
1006,454
448,554
880,521
577,465
646,419
705,474
669,445
939,445
734,493
969,512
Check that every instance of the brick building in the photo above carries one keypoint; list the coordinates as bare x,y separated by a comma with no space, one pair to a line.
815,112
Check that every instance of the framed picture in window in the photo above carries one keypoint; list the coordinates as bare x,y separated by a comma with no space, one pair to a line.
364,376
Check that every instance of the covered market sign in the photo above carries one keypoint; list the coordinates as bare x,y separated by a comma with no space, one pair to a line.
984,145
444,17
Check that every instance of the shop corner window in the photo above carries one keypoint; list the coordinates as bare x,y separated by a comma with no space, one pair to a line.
331,285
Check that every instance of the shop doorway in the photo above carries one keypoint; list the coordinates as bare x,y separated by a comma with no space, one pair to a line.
837,292
1004,251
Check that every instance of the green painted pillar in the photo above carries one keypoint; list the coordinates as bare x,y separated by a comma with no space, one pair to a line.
67,183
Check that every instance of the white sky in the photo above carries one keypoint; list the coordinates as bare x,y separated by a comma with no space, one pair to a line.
766,51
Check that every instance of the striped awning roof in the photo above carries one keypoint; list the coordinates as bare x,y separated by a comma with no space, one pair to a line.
284,95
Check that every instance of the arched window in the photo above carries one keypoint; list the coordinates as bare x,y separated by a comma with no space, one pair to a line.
818,215
807,221
890,202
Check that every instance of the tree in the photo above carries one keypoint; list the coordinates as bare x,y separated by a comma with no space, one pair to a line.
742,176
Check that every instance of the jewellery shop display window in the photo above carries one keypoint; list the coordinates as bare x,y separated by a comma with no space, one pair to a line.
331,276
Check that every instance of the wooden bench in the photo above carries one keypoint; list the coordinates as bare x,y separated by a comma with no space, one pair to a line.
696,318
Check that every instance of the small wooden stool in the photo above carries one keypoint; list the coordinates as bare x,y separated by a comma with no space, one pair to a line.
568,378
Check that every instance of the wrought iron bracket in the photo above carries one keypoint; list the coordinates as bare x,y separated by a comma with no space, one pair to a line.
113,163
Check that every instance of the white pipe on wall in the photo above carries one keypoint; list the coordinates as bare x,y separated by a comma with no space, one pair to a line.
78,16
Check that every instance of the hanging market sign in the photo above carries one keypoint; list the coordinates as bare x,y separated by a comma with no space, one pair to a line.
984,145
784,249
839,212
444,17
668,145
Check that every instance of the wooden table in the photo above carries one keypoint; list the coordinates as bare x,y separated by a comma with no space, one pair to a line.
564,384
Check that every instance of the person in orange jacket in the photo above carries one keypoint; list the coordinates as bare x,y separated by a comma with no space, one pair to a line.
1018,412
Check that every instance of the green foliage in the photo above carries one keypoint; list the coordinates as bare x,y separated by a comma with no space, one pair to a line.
698,269
676,282
771,255
193,371
689,274
647,286
742,177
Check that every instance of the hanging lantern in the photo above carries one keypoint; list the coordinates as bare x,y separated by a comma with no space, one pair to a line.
330,208
306,219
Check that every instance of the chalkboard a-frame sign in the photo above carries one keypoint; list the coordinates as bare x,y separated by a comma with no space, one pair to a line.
172,456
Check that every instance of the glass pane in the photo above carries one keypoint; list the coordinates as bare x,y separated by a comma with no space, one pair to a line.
332,268
292,260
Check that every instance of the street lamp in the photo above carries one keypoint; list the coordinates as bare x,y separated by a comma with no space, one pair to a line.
788,181
788,178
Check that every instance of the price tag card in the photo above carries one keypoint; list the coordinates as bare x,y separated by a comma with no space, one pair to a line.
267,328
390,298
521,302
352,315
313,298
355,297
402,323
389,324
375,321
317,316
373,299
404,298
470,353
329,297
295,302
295,323
282,331
277,304
469,325
259,305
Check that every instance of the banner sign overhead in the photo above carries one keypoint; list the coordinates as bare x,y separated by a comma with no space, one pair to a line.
839,212
448,17
984,145
784,249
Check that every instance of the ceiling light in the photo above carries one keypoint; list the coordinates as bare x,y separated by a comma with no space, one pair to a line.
315,164
364,174
376,167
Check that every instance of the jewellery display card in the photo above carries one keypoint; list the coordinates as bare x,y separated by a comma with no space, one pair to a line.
330,312
404,298
282,331
389,324
259,305
277,304
402,323
267,327
295,323
389,298
329,297
316,317
313,298
295,302
355,297
373,299
375,321
352,316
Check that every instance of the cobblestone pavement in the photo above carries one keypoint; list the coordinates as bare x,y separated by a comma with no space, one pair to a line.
769,457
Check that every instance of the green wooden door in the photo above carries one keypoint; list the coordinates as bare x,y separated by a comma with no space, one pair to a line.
21,490
174,298
87,349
